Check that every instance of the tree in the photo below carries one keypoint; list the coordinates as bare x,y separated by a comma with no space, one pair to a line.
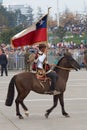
11,18
67,18
60,32
3,19
51,23
7,19
5,36
29,16
20,18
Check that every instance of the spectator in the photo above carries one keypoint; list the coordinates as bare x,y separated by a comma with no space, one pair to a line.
32,59
26,59
3,62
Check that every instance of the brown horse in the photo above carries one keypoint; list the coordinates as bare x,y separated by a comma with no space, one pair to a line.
26,82
85,59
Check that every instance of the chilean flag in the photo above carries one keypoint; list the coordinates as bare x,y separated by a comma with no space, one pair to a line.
36,33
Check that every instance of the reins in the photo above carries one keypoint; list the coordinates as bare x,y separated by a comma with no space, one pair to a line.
63,68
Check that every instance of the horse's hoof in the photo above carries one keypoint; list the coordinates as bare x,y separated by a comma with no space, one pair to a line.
46,115
21,117
26,113
67,115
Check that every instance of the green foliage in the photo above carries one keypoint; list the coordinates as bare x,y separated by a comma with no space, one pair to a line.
7,18
11,23
11,19
6,36
76,38
60,32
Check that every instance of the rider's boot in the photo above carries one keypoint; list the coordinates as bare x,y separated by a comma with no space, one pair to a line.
53,92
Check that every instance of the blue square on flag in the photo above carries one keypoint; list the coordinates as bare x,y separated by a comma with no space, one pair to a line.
42,23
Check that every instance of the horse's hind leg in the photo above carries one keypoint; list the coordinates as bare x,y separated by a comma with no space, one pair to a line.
55,99
17,108
25,108
61,99
21,98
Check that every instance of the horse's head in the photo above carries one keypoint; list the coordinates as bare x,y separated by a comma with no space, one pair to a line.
68,62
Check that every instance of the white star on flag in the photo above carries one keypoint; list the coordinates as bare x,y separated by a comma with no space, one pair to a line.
41,22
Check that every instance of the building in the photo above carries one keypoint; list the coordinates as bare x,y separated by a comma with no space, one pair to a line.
25,10
22,8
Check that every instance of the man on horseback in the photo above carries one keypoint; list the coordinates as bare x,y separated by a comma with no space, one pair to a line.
41,65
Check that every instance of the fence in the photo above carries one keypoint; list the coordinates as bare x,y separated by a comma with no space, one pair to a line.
17,62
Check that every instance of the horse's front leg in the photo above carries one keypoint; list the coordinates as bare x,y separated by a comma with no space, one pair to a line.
55,101
61,99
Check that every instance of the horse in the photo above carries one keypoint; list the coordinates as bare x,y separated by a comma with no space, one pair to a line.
85,59
27,81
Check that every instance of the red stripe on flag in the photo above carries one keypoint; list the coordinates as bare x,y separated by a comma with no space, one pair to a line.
31,38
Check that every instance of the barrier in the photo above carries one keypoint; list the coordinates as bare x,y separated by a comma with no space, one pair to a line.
16,62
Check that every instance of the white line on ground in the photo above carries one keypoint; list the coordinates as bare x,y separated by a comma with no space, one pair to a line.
37,100
76,79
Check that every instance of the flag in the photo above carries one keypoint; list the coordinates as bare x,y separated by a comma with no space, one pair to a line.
36,33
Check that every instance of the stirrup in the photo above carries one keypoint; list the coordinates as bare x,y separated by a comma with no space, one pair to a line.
55,92
49,92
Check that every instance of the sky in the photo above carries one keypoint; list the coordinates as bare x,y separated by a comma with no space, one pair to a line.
57,5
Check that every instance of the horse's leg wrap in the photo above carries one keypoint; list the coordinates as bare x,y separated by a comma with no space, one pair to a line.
27,113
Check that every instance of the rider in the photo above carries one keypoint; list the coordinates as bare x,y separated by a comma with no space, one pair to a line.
42,57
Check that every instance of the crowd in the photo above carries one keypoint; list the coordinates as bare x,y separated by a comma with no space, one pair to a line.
17,57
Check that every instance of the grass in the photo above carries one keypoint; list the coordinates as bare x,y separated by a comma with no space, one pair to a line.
76,38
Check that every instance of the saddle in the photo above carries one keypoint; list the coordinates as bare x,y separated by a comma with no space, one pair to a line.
40,74
43,79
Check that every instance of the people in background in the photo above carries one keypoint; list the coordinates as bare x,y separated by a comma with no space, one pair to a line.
26,59
3,62
31,59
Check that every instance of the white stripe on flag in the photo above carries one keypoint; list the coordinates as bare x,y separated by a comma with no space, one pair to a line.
24,32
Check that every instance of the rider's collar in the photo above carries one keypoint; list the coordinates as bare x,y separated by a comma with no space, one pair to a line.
40,53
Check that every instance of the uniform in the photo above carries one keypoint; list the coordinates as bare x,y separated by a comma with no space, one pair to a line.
3,63
26,60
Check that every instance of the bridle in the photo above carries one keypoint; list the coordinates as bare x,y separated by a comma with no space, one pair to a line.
63,68
60,67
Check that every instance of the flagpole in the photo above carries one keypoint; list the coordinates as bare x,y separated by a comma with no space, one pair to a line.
47,23
57,13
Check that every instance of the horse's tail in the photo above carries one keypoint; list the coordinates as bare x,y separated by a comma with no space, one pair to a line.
10,94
